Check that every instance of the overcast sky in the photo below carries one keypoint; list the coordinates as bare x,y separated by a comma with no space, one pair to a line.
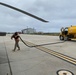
59,13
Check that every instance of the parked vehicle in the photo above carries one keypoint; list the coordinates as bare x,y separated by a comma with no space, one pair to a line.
68,33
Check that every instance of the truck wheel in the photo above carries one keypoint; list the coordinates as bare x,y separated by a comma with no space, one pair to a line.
61,37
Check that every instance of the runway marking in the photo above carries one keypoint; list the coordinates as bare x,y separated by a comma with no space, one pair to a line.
54,53
64,72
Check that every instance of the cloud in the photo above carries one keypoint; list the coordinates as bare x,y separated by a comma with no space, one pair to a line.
59,13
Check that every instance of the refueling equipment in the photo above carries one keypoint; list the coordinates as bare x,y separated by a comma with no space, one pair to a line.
68,33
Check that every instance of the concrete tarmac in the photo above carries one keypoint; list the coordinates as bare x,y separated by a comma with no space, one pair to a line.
32,61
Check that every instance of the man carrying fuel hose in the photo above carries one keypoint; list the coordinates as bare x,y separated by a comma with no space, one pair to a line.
16,38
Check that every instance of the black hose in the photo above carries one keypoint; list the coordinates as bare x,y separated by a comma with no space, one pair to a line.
24,42
41,44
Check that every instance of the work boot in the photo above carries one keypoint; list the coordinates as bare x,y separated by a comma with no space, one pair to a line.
13,50
18,49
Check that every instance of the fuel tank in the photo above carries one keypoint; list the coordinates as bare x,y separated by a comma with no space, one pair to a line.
72,30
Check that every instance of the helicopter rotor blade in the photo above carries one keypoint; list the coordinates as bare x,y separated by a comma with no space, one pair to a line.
22,11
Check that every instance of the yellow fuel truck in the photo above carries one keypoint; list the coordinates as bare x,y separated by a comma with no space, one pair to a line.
68,33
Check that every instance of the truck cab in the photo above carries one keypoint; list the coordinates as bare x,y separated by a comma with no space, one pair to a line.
68,33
